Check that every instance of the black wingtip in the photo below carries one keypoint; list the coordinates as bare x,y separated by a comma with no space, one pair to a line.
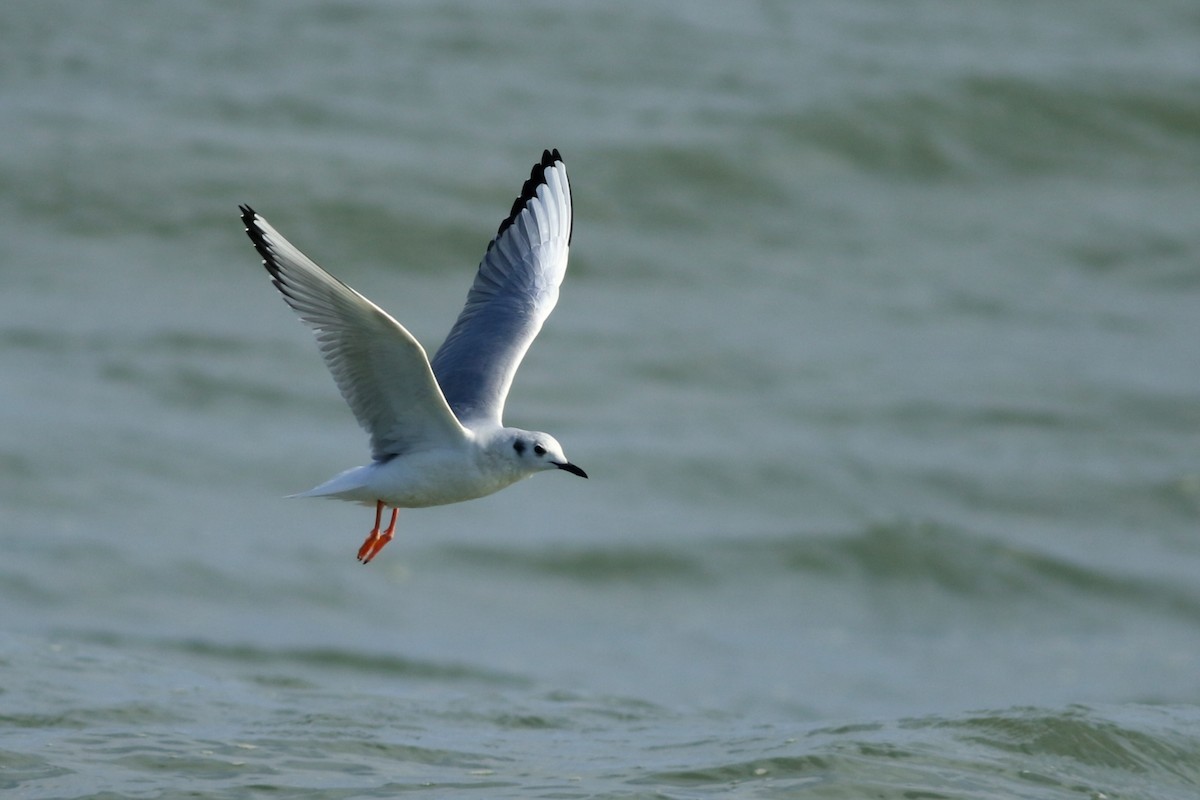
260,244
537,176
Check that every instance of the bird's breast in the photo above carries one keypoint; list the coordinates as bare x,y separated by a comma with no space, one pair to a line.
434,478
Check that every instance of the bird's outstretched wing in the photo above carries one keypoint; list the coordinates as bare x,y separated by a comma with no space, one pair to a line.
381,370
515,289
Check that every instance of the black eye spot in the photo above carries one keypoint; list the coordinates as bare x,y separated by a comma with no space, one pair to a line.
539,450
519,446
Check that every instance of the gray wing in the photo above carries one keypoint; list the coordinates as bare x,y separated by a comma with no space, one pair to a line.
515,289
380,369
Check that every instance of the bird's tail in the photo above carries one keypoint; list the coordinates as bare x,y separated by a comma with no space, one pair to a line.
349,485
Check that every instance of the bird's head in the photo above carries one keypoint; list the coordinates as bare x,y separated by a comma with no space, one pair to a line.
533,452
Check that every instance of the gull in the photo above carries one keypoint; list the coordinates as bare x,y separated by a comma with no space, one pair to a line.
435,426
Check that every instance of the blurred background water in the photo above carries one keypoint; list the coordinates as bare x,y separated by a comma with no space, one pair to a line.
879,342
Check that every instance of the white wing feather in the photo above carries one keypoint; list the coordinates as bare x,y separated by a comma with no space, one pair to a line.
514,292
380,369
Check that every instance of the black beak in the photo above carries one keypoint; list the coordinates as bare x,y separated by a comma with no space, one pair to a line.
571,468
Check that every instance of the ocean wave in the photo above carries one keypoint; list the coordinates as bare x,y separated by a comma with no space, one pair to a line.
981,125
900,556
1022,752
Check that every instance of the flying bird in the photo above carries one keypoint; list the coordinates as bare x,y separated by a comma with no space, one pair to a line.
436,429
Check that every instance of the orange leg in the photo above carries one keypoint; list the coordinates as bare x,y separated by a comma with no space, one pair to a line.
376,540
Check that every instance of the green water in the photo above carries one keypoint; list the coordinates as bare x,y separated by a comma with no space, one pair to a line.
879,344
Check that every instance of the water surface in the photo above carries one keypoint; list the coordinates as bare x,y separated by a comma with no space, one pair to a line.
878,342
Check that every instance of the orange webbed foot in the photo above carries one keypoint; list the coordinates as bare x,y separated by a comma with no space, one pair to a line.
375,539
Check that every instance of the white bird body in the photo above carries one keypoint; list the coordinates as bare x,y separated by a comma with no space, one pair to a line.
436,431
434,477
